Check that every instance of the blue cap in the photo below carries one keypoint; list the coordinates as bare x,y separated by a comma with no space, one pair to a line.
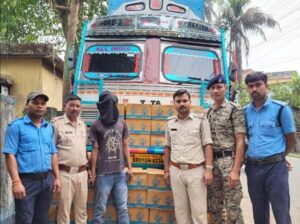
216,79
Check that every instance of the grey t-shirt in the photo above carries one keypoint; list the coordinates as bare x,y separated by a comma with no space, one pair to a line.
110,141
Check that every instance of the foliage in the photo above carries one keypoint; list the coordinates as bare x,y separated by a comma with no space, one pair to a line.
240,20
27,21
288,92
30,21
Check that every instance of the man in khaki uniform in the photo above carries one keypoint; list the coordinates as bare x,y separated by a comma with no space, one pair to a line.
188,160
70,138
228,129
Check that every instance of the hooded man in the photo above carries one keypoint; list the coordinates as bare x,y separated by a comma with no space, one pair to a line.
110,150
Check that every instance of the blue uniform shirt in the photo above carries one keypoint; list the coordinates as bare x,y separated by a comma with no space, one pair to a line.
32,146
265,136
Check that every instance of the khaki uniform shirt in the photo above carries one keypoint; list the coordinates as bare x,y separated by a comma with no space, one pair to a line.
187,137
70,141
224,128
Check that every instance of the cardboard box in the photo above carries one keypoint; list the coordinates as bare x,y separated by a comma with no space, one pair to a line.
157,141
155,180
160,199
141,127
111,215
158,127
138,111
139,179
52,213
138,215
91,198
137,198
197,109
161,216
55,198
162,112
139,141
121,109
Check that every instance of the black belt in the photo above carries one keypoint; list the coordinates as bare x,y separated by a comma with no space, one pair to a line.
265,160
222,154
35,176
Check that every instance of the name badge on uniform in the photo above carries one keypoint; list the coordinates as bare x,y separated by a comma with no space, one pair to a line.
69,132
173,129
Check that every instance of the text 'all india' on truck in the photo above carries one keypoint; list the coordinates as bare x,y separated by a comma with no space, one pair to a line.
143,51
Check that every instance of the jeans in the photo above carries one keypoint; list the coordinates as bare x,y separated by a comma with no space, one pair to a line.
269,184
33,209
116,183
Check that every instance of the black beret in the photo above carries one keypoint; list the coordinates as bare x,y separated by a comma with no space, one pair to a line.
216,79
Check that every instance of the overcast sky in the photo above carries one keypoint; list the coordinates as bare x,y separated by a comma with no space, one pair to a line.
281,51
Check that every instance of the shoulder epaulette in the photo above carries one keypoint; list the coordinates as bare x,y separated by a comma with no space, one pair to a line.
53,120
18,119
201,116
171,118
279,102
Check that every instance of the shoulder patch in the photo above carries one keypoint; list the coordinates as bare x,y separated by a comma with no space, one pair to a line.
18,119
201,116
53,120
171,118
279,102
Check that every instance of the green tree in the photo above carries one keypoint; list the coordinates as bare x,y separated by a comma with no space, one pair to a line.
288,92
241,20
29,21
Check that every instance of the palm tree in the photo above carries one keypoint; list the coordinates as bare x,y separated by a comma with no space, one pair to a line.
240,20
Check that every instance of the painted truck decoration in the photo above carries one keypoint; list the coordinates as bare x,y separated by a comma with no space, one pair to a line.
143,51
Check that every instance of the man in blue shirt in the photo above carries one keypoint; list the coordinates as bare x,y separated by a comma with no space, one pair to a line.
271,137
30,156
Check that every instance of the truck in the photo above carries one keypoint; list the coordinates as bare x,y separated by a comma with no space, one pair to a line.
143,51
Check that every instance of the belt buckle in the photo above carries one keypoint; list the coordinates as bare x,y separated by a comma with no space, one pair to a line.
260,161
74,169
184,166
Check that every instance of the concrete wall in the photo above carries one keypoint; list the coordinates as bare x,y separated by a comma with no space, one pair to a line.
6,199
52,85
30,74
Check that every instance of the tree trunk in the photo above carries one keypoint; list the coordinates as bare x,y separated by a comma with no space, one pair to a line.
70,42
238,51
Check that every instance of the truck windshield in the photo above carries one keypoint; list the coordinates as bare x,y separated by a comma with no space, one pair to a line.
188,64
112,61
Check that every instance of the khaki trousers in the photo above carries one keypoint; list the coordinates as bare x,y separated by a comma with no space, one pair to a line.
189,193
74,190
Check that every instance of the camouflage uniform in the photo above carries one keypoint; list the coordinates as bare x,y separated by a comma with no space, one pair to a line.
225,122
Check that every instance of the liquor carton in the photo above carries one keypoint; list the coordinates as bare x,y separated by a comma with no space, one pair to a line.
138,111
160,199
139,141
139,179
158,127
162,112
137,198
141,127
157,141
155,180
138,215
158,216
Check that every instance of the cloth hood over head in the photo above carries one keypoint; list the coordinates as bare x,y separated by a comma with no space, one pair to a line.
107,107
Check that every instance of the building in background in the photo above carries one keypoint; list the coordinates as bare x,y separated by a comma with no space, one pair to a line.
31,67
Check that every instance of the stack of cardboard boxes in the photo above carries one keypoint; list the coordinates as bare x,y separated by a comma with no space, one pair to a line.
150,200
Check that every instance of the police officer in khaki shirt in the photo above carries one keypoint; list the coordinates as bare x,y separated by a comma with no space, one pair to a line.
70,138
188,160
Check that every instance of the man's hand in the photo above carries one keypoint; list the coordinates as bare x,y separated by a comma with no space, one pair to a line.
57,185
234,178
129,175
167,177
18,190
208,177
91,178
